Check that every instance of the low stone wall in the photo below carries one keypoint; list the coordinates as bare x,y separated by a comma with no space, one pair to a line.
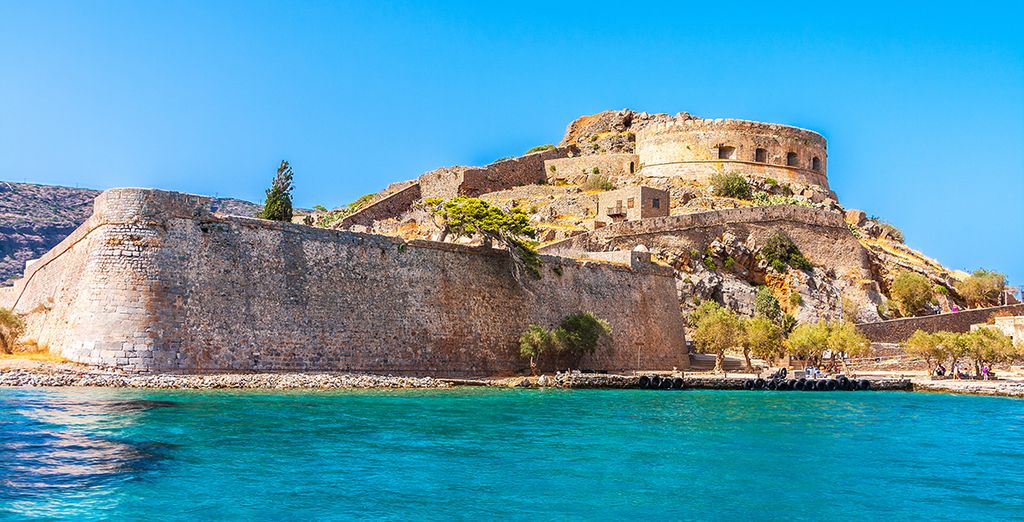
822,236
577,169
450,182
390,206
153,281
899,330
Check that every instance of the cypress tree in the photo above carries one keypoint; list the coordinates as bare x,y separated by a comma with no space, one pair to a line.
278,205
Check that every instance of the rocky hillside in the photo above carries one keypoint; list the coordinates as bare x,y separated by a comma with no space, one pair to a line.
34,218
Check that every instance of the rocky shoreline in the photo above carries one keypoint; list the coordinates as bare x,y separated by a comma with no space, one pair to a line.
274,381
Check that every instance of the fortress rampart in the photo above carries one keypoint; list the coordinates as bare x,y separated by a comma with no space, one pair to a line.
699,148
822,236
153,281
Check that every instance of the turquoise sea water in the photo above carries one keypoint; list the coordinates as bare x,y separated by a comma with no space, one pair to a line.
472,454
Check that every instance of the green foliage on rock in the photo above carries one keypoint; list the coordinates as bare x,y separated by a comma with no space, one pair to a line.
541,148
715,329
11,328
982,288
890,231
764,199
464,216
336,215
596,181
766,305
910,292
278,204
781,252
731,185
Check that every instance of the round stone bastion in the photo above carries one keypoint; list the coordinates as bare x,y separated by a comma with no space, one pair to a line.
698,149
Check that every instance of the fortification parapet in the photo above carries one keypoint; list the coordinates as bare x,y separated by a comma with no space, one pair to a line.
153,281
139,205
700,148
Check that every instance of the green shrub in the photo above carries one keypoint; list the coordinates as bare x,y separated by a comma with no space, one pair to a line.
766,305
729,263
541,148
579,333
911,292
891,231
731,186
982,288
709,263
854,231
595,171
796,299
597,182
764,199
11,328
780,252
278,204
771,182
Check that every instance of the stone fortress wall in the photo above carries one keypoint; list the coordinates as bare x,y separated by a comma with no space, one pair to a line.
699,148
154,281
808,227
575,170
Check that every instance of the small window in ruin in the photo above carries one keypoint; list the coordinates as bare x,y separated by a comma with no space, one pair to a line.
655,203
815,163
792,159
761,156
629,203
632,168
725,152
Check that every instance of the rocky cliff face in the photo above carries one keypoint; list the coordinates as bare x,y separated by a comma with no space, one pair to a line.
34,218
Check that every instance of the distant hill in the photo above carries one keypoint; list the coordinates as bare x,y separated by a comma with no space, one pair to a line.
34,218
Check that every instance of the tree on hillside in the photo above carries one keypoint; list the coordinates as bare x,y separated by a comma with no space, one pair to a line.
715,330
11,328
731,185
982,288
763,339
911,292
923,344
780,252
766,305
464,216
278,205
845,341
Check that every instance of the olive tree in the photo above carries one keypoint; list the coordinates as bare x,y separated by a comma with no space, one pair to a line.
925,345
808,341
982,288
716,330
763,339
845,341
911,292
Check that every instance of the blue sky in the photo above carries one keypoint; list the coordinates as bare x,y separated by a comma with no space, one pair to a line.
922,103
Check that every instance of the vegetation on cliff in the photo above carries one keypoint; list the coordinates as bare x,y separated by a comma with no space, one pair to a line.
11,328
462,216
910,292
576,335
278,205
982,288
780,252
731,185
